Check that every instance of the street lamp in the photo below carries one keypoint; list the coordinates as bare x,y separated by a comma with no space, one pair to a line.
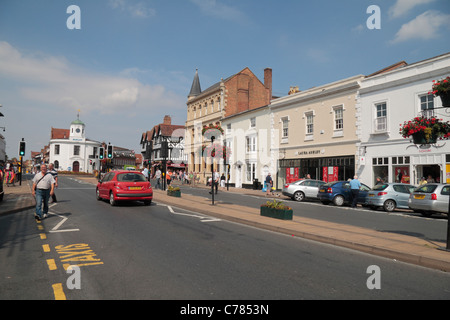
212,170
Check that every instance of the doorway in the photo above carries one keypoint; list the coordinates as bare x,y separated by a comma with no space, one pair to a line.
432,173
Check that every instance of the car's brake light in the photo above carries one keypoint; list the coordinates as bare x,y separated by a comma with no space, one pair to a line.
329,190
433,196
381,193
286,185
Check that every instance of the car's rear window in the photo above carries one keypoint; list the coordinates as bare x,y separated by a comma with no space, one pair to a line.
132,177
426,188
380,186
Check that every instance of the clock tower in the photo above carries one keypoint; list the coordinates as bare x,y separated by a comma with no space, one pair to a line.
77,130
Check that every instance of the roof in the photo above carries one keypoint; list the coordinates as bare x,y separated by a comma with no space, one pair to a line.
389,68
195,88
59,133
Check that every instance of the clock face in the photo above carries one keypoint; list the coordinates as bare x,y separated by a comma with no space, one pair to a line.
77,130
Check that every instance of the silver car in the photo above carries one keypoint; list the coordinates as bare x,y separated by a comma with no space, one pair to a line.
302,189
430,198
389,196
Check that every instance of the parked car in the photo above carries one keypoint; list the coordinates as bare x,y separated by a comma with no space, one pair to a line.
339,193
390,196
302,189
430,198
124,185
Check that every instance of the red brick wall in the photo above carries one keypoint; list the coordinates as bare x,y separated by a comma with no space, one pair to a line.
246,92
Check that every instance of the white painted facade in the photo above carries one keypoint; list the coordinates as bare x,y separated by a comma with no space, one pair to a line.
250,135
75,153
387,100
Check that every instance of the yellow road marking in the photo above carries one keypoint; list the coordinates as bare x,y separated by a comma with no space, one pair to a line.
51,264
46,247
43,236
58,291
40,227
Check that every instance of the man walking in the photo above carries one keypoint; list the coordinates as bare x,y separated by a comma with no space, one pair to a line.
43,188
355,185
158,178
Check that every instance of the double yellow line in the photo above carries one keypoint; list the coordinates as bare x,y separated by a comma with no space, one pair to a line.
57,287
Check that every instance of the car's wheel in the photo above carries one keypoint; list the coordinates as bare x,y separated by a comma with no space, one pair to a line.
299,196
97,194
426,213
338,200
389,205
111,199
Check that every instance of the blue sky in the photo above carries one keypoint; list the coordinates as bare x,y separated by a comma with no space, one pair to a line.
133,61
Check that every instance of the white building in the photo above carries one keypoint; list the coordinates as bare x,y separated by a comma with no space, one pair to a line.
249,135
71,151
385,101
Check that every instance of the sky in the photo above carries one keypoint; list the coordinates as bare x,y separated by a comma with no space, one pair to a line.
122,65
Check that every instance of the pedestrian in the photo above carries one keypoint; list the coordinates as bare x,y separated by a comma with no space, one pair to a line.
54,173
157,176
422,181
355,185
269,184
222,181
43,188
215,180
379,181
145,172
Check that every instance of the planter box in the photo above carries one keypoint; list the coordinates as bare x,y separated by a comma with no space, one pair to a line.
419,138
276,213
445,100
176,193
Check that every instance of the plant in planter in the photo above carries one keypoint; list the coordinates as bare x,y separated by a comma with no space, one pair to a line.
441,88
276,209
174,191
212,130
425,130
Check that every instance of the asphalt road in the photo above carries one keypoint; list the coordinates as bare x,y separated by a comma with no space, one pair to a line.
158,252
400,221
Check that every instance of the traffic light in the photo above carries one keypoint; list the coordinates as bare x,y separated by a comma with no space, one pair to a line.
102,153
110,151
22,148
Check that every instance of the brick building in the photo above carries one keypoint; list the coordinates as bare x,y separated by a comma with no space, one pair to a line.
240,92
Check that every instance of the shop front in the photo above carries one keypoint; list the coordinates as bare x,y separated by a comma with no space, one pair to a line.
432,167
327,169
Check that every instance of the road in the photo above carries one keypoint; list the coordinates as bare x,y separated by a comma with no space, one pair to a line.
400,221
158,252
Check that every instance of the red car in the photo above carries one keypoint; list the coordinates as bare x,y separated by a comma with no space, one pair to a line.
124,185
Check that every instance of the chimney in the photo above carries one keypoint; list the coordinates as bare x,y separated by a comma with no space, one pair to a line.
167,120
268,81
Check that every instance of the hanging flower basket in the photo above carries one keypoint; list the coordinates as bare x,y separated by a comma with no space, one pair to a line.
441,88
425,130
212,131
215,151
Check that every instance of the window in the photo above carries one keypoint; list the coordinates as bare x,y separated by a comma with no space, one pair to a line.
338,118
251,171
252,122
309,123
251,144
285,122
76,150
228,127
427,105
380,117
56,148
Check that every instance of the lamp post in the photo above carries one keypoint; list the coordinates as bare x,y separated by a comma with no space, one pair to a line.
212,170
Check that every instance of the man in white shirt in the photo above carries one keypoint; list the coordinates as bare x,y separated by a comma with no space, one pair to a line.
43,188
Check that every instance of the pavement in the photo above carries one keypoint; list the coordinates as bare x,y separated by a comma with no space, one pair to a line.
405,248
